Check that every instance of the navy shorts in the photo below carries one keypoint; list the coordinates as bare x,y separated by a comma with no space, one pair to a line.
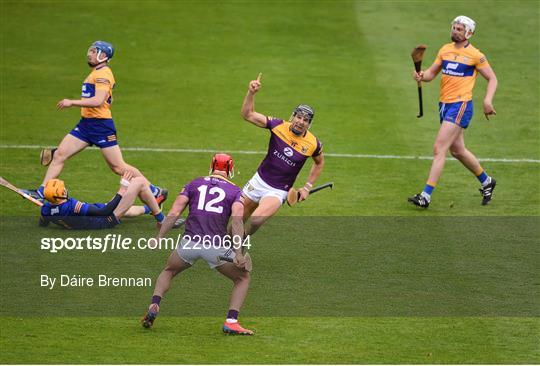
459,113
96,131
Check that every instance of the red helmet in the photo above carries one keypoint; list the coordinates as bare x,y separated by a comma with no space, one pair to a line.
222,162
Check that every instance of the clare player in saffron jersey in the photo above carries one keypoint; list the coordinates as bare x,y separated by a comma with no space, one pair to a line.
290,146
96,126
460,63
70,213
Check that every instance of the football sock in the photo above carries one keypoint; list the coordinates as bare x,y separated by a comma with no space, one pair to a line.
159,217
154,189
232,316
428,190
156,299
483,178
147,209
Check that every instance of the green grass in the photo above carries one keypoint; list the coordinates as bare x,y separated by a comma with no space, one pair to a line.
353,275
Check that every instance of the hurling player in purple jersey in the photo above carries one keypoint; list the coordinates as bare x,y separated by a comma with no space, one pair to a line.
290,146
212,200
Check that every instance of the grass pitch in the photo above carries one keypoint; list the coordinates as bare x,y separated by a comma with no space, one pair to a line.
355,275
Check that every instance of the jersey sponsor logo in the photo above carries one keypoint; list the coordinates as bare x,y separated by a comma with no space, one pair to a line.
55,211
102,81
288,151
88,90
284,158
457,69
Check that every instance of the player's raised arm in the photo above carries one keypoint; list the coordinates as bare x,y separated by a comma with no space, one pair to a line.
248,112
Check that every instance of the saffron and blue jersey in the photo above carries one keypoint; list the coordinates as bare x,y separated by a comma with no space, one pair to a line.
459,71
96,126
71,214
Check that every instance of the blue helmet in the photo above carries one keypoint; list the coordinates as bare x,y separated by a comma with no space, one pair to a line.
104,47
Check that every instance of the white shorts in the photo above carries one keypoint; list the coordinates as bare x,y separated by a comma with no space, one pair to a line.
256,189
190,251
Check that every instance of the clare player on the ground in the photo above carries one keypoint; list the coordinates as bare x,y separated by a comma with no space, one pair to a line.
71,213
460,63
290,145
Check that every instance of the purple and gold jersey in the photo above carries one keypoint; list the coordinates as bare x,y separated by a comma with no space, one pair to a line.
99,79
459,71
210,205
286,154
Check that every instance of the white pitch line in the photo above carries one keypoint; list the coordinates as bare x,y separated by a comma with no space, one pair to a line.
252,152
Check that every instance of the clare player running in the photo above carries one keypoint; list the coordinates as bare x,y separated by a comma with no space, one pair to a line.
71,213
460,63
290,145
96,126
212,201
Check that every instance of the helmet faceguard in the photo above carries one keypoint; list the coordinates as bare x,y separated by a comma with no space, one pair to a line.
103,48
55,191
305,110
223,162
468,23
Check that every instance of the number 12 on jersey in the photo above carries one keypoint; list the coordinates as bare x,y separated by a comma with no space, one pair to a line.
212,205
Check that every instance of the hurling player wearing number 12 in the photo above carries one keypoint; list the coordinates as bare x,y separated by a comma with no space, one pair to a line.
212,201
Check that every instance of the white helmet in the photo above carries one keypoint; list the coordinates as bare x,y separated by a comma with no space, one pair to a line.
469,24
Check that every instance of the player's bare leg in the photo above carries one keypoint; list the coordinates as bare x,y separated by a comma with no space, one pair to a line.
445,138
241,281
249,207
115,160
174,266
461,153
135,187
148,198
268,206
113,157
448,133
135,211
239,292
138,187
467,158
69,146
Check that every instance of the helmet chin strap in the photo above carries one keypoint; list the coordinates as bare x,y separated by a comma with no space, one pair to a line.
99,54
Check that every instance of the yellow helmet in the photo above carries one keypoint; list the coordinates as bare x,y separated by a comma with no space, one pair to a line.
55,191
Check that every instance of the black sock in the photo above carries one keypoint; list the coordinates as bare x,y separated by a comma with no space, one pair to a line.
156,299
232,314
